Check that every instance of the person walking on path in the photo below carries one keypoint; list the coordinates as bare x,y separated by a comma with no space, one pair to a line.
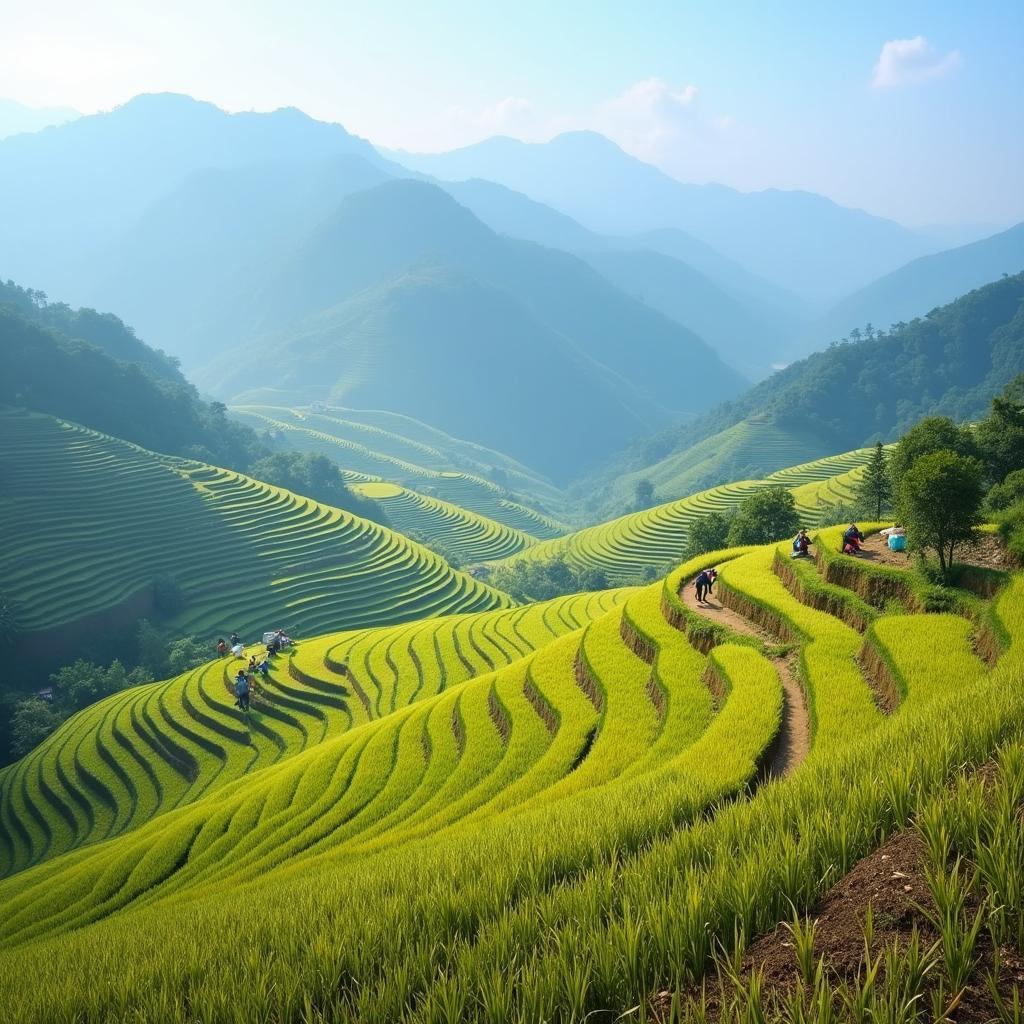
242,690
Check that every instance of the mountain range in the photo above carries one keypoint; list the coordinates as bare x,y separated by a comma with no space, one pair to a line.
798,240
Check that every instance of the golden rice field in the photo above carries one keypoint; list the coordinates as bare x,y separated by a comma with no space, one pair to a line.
550,813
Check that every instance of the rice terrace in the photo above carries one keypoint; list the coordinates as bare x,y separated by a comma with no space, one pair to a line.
550,551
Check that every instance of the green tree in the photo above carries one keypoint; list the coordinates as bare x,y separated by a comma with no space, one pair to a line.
709,533
763,517
32,721
1000,435
187,652
934,434
939,499
875,487
644,494
1009,492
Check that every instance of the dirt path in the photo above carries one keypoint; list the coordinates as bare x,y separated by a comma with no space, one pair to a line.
793,743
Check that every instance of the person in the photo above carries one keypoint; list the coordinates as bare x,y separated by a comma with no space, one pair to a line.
801,545
852,540
222,648
264,667
238,650
252,663
234,639
242,690
704,582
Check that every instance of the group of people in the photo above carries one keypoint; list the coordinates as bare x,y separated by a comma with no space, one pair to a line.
245,676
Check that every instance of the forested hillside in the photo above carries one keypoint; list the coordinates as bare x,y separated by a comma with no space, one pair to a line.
950,362
139,396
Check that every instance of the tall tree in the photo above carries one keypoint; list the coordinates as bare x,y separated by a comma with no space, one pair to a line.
939,501
875,488
763,517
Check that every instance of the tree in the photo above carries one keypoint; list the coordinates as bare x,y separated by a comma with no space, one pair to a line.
763,517
187,652
939,500
875,488
1001,434
933,434
709,533
33,720
1009,492
644,494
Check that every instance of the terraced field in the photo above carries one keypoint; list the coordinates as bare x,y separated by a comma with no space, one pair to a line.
507,819
473,537
750,449
246,555
429,462
656,537
157,747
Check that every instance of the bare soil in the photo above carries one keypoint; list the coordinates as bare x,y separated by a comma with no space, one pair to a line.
987,552
891,881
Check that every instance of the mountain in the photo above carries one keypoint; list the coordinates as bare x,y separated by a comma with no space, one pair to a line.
204,240
797,240
360,286
921,285
16,117
67,192
747,320
948,363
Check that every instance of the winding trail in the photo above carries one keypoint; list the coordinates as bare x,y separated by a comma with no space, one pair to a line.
794,740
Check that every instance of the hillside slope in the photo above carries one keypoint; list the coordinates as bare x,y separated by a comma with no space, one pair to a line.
948,363
533,808
405,272
92,523
372,445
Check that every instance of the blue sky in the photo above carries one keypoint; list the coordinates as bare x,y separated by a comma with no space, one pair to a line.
910,110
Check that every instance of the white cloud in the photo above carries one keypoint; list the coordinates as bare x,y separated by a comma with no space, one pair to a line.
512,115
656,121
908,61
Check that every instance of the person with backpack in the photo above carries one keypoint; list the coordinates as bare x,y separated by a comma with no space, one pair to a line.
704,582
801,545
242,691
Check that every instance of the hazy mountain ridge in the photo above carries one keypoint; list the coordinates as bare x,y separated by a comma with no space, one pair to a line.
798,240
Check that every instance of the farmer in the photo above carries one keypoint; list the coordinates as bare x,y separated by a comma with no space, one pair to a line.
222,648
264,667
242,690
852,540
704,582
801,545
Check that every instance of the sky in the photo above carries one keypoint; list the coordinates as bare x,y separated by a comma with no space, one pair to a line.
910,110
